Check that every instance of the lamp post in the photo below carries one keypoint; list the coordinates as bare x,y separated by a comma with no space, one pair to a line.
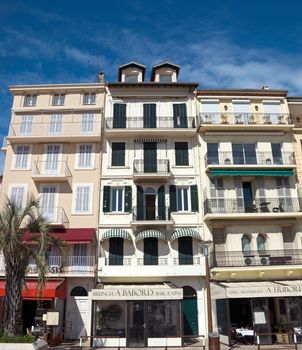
205,245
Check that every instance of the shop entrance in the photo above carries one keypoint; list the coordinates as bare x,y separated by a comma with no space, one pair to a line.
190,321
32,312
137,325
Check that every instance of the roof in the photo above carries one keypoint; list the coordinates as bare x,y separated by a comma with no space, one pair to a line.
69,235
294,99
242,92
50,87
152,84
164,64
131,64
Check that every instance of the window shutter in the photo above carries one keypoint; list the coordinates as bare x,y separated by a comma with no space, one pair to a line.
181,153
118,154
180,115
140,202
106,199
128,199
161,203
119,115
194,198
149,115
172,192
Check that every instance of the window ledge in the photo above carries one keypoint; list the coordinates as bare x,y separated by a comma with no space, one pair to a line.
85,169
116,213
184,212
82,214
118,167
182,166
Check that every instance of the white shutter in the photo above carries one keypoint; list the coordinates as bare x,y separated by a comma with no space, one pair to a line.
52,159
48,203
83,199
272,111
17,195
85,156
21,157
210,111
26,125
55,126
87,123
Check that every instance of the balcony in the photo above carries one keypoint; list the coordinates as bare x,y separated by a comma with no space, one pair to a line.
51,171
166,266
160,126
146,216
265,159
237,208
255,258
4,144
69,265
251,121
55,216
157,170
72,131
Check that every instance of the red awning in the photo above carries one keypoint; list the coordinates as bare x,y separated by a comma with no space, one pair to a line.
52,289
69,235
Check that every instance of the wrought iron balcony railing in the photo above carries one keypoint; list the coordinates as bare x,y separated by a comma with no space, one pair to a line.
258,205
261,158
245,118
162,261
159,166
149,123
151,213
257,258
54,215
56,168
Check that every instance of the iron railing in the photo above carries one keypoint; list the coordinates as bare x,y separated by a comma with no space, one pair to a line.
56,168
261,158
151,213
159,166
257,258
245,118
54,215
158,123
258,205
134,261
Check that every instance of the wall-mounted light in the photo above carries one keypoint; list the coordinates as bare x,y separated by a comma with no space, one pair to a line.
225,107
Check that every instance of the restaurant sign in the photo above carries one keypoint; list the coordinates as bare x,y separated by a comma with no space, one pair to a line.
137,293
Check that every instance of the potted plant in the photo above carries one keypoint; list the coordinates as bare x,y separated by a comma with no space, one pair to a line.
238,119
224,119
252,119
282,335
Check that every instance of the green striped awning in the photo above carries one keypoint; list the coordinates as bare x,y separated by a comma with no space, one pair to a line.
116,233
185,232
252,172
150,234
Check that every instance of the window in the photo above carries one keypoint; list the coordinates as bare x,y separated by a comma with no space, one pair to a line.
131,78
216,204
118,154
87,123
55,126
117,199
26,125
181,153
212,153
89,98
58,99
277,153
21,156
285,200
272,111
241,111
49,202
244,153
261,244
52,159
245,244
85,156
17,195
83,199
182,199
30,100
165,78
80,250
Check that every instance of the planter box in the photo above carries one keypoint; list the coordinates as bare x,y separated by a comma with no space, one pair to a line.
282,338
40,344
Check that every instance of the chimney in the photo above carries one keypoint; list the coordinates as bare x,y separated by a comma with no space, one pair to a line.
101,77
265,87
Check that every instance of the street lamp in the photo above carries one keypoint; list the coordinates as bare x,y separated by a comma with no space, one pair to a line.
205,245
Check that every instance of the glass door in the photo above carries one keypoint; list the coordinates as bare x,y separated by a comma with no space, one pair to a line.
185,251
136,325
116,251
247,196
151,251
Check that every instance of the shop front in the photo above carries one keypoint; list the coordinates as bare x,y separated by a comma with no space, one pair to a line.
136,315
269,310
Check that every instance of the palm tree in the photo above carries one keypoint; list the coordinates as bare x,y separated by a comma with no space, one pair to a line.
17,253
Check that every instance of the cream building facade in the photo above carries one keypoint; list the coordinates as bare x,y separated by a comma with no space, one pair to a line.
52,152
252,208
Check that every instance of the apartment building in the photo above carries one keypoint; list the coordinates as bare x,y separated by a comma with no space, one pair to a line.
252,208
151,270
53,153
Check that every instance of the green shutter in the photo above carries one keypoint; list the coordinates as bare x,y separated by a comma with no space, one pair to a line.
140,203
118,154
180,115
149,115
181,153
106,199
119,115
173,205
128,199
161,203
194,198
150,157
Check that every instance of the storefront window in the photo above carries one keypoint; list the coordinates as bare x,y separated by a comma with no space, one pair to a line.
110,318
163,319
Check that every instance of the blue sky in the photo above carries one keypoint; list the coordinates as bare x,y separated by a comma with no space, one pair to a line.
220,44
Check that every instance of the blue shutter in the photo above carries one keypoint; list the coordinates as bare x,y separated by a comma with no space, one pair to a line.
194,198
128,199
106,199
172,192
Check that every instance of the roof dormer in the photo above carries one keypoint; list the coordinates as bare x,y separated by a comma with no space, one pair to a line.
131,72
165,72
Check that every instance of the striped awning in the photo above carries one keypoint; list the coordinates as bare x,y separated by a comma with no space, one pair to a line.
116,233
185,232
150,234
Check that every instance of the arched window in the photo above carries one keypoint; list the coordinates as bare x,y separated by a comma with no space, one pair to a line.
189,292
245,244
78,291
261,244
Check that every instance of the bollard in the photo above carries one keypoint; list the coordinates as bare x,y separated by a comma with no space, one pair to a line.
214,343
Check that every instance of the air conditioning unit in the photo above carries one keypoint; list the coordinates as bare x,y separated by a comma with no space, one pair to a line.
264,260
248,261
